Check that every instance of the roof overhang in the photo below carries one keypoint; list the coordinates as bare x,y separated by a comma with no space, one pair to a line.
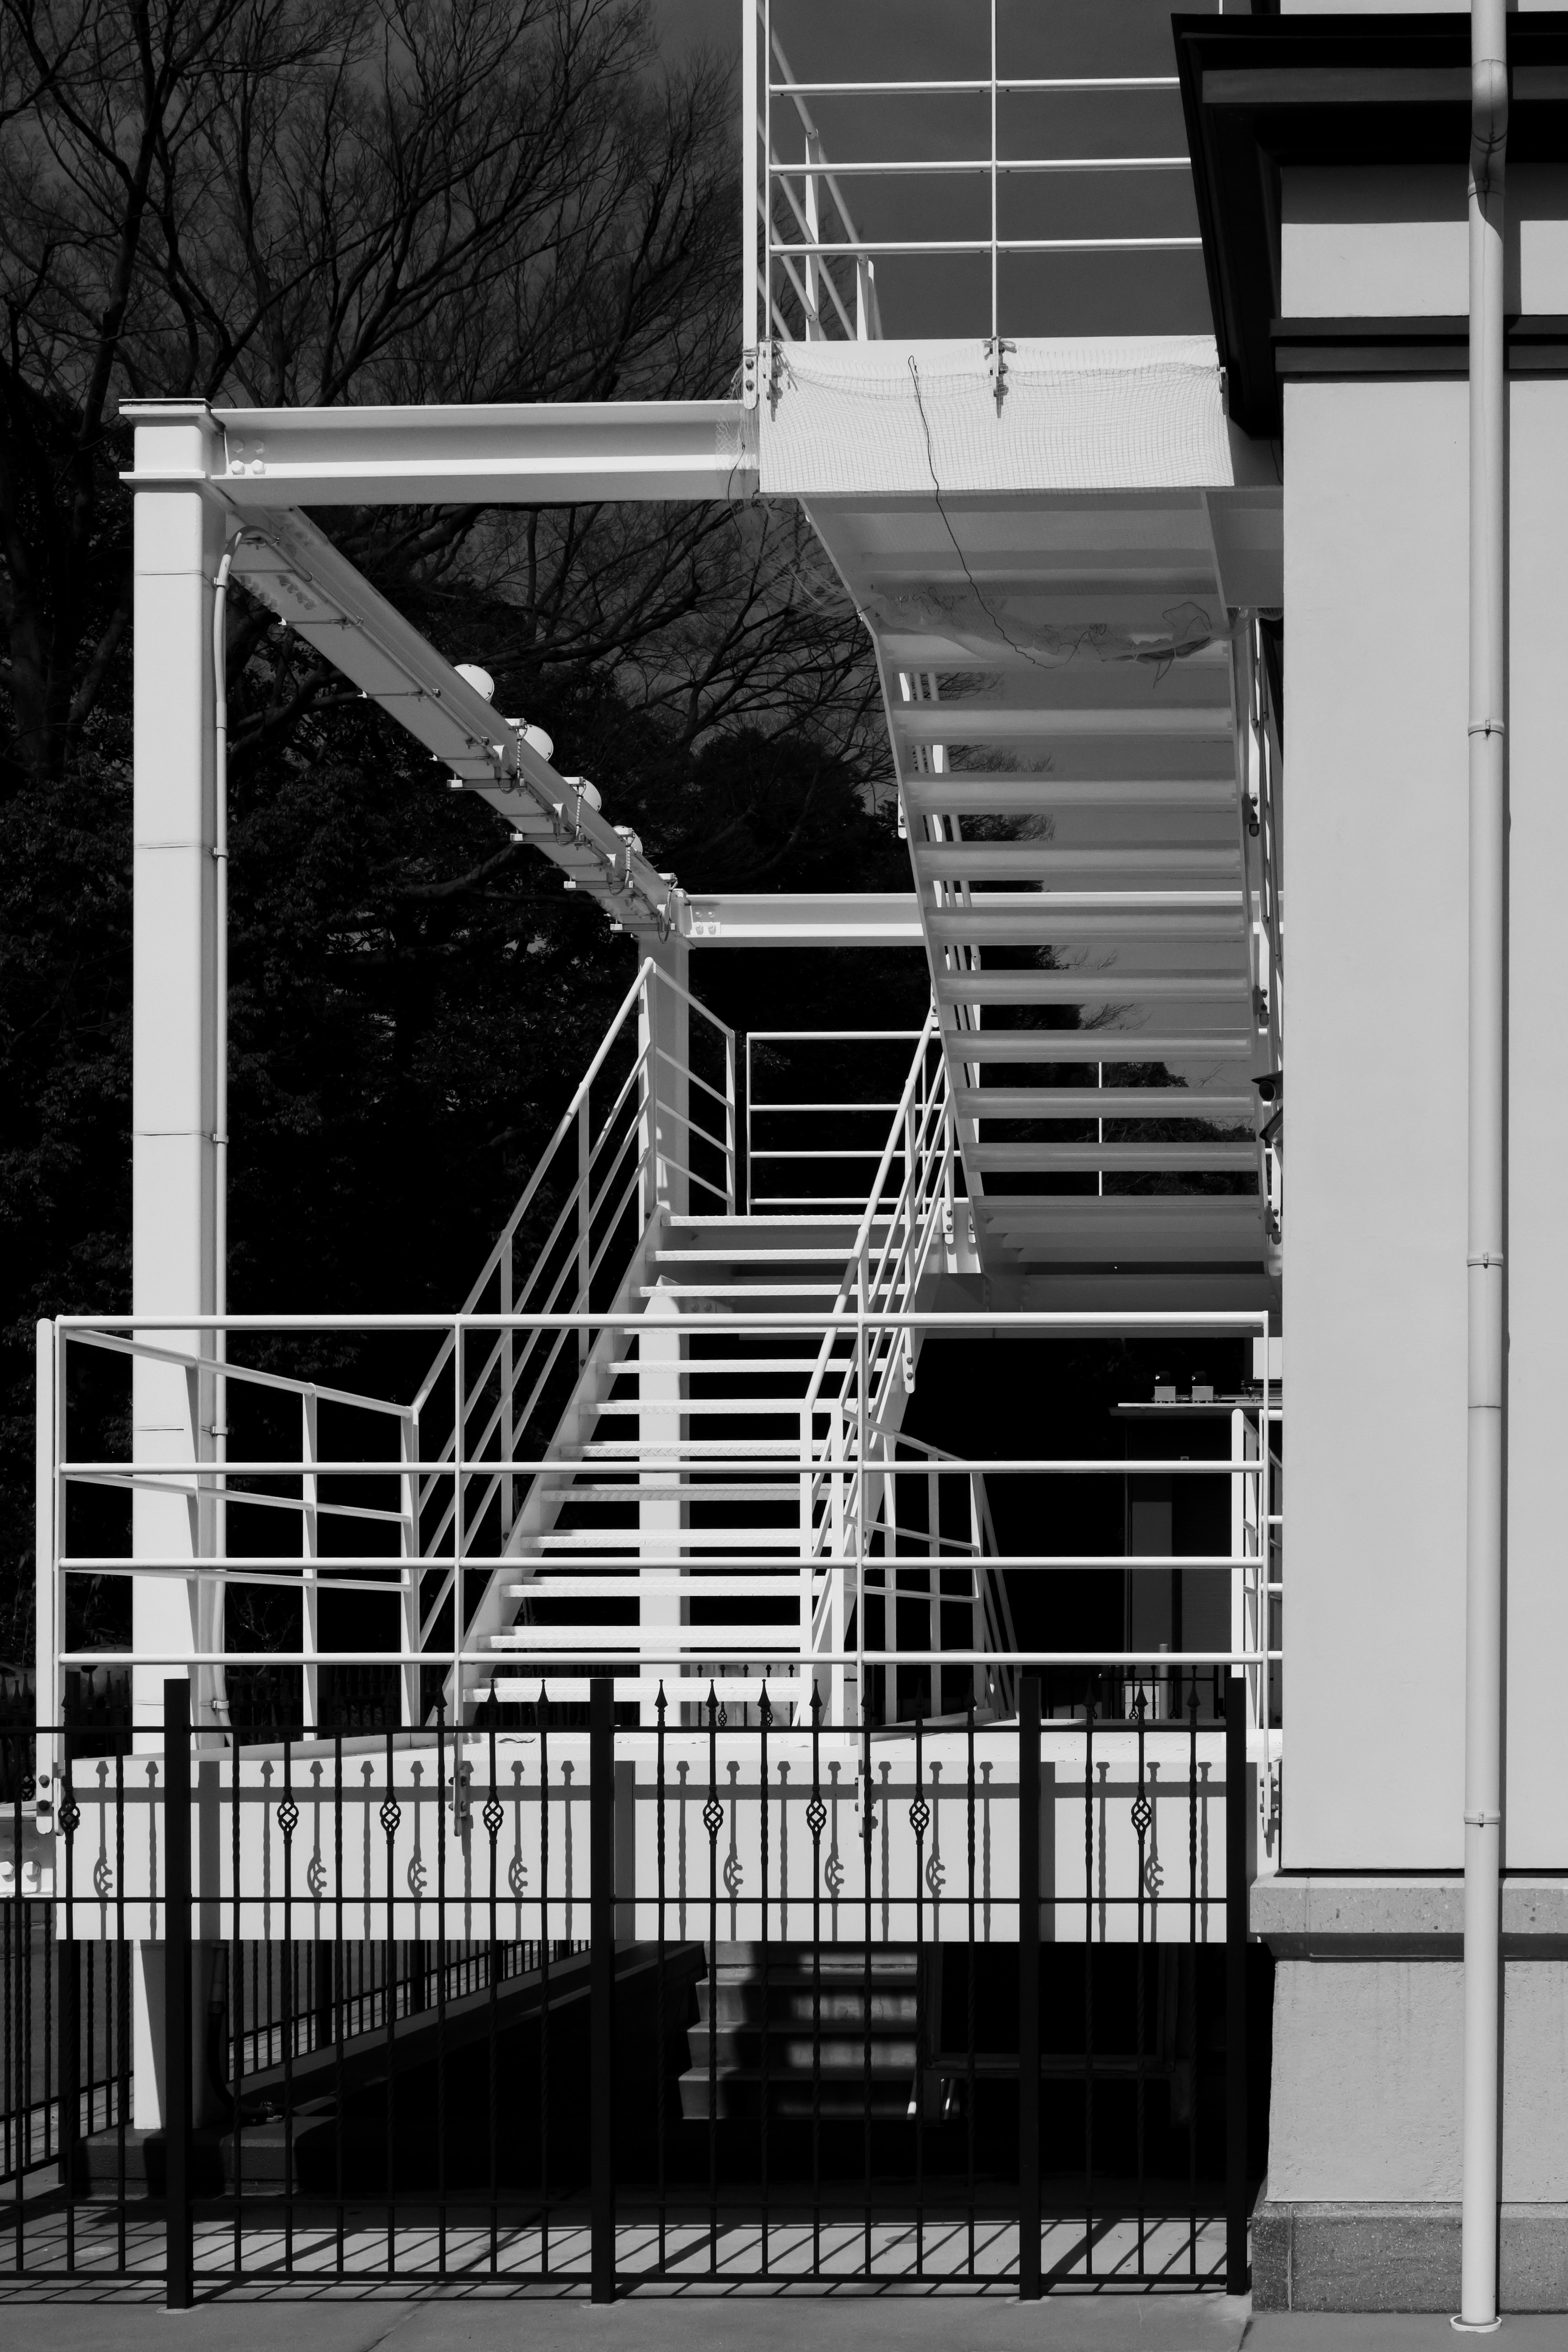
1262,92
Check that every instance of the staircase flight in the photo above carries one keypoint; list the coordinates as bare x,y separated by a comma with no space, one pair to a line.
678,1458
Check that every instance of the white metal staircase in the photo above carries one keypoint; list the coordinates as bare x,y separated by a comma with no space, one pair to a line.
678,1459
1088,764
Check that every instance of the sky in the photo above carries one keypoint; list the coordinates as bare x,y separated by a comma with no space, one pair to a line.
1039,294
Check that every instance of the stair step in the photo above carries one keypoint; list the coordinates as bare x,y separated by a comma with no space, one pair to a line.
1111,1046
1026,1158
762,1257
790,2004
739,1290
739,1408
1100,1102
708,1539
737,2098
765,1450
792,2052
740,1961
974,861
801,1225
688,1578
1009,792
800,1370
684,1490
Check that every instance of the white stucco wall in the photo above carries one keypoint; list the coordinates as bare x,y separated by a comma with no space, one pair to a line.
1534,1816
1375,600
1384,241
1375,541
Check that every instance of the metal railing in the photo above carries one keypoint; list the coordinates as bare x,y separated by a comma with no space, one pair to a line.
824,1529
669,1506
664,1140
773,1116
965,2006
810,273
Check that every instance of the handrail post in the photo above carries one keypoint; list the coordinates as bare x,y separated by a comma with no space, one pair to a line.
177,2224
748,183
310,1551
508,1435
860,1506
408,1674
584,1230
1236,2267
1028,1989
459,1532
602,1989
729,1133
49,1681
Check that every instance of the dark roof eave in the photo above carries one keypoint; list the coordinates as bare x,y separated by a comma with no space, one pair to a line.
1262,91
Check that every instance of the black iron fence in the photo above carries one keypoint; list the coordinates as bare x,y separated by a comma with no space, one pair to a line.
960,2003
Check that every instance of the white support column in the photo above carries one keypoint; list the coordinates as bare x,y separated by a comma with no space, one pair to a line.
661,1511
178,542
663,1034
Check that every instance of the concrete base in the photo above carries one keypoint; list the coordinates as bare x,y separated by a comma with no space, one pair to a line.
1361,2208
1363,2257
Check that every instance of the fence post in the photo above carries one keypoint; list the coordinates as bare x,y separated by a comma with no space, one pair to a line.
1236,2267
602,1988
1028,1988
178,2258
68,2011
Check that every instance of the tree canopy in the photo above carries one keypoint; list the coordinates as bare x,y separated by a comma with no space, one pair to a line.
267,202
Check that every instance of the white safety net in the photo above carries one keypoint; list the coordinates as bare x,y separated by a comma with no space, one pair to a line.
1103,412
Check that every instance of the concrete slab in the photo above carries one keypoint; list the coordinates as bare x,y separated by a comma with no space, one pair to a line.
693,2320
700,2320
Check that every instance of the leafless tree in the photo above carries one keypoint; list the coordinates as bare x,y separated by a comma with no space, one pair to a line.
265,202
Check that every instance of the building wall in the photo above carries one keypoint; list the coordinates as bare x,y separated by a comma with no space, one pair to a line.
1535,1821
1375,595
1375,1255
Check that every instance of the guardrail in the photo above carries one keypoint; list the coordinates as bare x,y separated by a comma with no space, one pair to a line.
773,1113
811,272
713,1967
341,1525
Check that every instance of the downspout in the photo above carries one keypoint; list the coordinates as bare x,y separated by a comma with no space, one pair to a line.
1486,1301
212,1632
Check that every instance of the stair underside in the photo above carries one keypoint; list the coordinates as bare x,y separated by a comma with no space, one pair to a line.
1058,673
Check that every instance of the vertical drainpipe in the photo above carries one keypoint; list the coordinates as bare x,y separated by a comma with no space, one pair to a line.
213,1681
1484,1257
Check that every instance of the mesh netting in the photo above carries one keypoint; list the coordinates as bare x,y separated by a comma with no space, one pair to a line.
1105,412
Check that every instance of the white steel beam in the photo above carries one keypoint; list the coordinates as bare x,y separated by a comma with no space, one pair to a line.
523,454
806,919
295,570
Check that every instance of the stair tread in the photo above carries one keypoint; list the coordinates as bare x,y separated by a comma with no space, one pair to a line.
769,1491
759,1257
740,1290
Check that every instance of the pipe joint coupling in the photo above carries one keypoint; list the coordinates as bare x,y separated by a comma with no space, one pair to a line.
1488,115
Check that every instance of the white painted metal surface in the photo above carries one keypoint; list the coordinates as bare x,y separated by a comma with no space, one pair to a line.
1486,1295
527,454
308,1889
811,270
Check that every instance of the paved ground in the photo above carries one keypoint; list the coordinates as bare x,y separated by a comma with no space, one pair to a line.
696,2321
